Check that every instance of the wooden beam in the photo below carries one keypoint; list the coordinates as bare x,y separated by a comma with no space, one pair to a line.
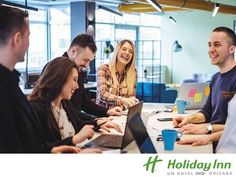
179,4
138,8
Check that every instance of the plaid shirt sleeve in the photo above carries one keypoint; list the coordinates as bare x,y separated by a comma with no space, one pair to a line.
135,83
104,83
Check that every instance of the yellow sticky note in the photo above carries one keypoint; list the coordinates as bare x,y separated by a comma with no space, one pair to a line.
207,91
197,97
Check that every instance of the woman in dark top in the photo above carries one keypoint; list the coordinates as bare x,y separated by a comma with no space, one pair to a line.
50,100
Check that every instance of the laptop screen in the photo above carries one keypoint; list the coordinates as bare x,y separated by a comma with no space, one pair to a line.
195,93
140,135
128,137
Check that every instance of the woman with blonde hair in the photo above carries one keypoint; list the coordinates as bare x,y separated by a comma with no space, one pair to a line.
117,80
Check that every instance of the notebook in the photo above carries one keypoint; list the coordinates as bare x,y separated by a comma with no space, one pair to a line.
117,141
140,134
195,93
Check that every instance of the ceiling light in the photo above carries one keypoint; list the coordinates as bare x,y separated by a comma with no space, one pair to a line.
215,10
155,4
109,10
172,20
18,5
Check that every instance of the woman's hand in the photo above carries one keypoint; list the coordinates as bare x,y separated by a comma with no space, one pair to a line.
109,124
86,132
65,149
74,149
90,150
115,111
128,102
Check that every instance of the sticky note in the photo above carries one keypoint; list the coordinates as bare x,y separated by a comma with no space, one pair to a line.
192,92
197,97
207,91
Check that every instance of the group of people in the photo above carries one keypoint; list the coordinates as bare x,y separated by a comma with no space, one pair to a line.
58,114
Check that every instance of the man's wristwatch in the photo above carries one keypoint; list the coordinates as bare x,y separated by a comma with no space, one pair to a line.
210,129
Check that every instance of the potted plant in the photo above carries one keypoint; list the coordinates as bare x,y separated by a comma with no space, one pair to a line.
108,49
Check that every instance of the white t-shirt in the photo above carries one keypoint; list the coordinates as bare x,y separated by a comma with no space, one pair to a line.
227,142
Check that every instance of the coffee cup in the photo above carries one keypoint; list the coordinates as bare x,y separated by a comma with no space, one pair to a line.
169,137
181,104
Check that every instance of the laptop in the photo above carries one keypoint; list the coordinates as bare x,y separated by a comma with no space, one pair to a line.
140,134
117,141
195,93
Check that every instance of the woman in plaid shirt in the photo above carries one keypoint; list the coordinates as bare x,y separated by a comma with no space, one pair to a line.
117,80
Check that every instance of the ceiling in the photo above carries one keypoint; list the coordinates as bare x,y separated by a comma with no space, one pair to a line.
139,6
227,7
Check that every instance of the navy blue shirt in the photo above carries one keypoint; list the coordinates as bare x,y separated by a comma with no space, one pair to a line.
221,86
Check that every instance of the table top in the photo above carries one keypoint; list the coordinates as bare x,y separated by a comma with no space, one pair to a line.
154,128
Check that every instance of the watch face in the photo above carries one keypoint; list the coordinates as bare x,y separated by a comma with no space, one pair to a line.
209,127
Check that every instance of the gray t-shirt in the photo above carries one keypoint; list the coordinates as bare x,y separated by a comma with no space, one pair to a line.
227,143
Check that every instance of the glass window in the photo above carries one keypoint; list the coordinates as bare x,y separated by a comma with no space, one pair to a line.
39,16
104,16
150,33
104,32
38,47
125,33
60,30
145,33
130,19
153,20
37,52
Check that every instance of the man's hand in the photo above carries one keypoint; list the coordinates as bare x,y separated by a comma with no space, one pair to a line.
194,129
180,121
198,141
115,111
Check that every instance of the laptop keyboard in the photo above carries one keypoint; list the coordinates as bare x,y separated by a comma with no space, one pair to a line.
111,141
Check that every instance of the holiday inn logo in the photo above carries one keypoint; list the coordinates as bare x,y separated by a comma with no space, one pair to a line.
205,166
152,163
175,165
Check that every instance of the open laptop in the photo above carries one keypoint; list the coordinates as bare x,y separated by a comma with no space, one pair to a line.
140,134
117,141
195,93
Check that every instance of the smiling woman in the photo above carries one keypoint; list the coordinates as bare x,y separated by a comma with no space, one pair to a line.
60,121
117,80
50,101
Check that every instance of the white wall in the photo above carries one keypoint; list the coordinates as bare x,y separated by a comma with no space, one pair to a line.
192,31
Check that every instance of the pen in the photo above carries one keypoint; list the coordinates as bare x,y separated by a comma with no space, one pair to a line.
97,127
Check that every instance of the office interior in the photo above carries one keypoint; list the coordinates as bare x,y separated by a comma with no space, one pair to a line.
156,35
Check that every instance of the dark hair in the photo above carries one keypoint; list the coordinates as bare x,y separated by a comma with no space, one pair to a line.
52,80
11,21
83,41
230,33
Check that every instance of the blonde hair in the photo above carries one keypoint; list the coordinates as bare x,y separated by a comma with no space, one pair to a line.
130,78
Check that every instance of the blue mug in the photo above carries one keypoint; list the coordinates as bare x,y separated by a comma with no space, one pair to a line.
181,104
169,137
